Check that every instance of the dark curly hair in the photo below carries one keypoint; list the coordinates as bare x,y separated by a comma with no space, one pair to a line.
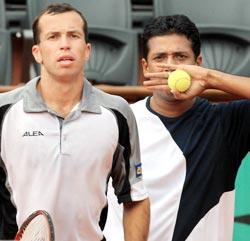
178,24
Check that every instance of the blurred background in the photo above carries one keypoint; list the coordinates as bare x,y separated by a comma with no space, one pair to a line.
115,28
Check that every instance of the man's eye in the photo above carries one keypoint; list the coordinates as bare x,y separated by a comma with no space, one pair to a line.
181,57
158,57
74,36
52,37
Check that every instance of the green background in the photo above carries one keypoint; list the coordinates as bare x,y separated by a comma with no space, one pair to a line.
242,203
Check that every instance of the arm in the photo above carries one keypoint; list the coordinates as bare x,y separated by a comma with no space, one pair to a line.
233,84
136,218
202,78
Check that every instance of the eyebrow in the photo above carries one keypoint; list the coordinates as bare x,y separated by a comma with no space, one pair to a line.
174,52
75,31
67,32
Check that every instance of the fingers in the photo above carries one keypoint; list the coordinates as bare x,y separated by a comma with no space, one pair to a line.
168,67
173,67
180,96
156,85
155,82
159,87
163,74
156,78
158,81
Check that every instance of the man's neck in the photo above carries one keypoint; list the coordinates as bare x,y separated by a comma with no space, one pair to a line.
170,108
61,96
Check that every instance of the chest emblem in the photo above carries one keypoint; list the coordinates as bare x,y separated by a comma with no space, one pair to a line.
32,133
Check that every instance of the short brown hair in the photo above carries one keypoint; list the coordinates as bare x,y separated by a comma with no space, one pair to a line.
57,8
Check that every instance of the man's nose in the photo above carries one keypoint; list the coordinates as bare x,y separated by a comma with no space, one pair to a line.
170,60
64,43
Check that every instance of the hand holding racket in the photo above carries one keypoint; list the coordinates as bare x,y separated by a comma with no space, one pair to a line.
37,227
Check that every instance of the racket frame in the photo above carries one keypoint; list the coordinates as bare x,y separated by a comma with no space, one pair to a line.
30,218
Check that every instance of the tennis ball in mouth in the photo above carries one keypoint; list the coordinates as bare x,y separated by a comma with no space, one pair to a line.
179,80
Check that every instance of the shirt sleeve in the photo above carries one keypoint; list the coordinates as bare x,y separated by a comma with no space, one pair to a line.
8,226
127,170
235,121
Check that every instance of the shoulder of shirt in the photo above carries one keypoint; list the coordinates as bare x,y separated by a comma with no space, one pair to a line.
139,102
11,97
112,101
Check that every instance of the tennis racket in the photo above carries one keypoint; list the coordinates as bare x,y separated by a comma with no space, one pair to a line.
37,227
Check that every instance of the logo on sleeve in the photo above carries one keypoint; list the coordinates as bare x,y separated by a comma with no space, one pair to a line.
138,170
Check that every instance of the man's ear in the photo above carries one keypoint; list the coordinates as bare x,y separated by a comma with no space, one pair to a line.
37,54
199,60
144,64
88,51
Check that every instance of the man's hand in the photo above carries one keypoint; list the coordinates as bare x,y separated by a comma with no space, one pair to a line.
136,219
159,80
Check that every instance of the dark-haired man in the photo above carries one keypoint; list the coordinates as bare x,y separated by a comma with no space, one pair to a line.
61,140
191,149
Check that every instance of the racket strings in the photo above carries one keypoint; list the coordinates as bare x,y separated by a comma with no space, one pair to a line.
36,230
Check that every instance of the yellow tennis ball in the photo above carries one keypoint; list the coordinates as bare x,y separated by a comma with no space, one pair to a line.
179,80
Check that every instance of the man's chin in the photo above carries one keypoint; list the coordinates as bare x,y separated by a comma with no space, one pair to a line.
166,95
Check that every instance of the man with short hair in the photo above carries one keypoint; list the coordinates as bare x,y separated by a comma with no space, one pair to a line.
62,139
191,149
